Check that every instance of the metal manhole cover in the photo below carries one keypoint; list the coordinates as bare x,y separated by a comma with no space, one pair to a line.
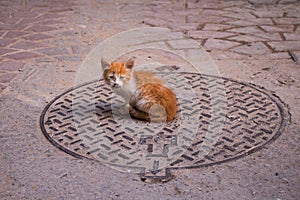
81,122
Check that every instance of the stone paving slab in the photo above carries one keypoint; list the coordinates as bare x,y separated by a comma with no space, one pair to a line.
43,43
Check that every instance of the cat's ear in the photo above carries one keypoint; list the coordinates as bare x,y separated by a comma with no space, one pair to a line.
104,64
130,63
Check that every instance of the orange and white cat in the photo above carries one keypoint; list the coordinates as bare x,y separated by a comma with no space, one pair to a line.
146,96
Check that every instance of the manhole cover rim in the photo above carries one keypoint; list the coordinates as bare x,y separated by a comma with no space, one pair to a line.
282,107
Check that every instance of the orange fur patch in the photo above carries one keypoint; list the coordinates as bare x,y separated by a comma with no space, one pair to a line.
118,68
151,94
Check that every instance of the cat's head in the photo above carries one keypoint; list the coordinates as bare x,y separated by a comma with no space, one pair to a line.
117,74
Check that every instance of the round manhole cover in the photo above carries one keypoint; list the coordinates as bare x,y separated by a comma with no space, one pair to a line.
225,125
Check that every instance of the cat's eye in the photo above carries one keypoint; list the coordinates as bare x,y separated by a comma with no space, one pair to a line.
122,77
111,77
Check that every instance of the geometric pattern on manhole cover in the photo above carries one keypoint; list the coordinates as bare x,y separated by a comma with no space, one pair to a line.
253,118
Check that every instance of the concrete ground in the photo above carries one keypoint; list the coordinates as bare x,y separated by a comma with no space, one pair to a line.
43,43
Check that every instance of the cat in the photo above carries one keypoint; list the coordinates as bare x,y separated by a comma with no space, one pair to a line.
146,97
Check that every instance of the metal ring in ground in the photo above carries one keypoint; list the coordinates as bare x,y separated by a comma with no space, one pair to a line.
254,118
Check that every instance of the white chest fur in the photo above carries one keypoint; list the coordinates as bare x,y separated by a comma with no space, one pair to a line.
127,90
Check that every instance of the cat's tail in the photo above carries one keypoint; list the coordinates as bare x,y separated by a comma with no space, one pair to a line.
156,113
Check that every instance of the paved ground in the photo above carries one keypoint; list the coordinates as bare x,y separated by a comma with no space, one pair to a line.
43,44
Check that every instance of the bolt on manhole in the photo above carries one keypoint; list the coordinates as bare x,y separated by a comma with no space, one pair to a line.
81,122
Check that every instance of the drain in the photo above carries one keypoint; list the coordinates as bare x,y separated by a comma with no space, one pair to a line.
81,122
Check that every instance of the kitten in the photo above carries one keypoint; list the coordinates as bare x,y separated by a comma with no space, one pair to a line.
146,96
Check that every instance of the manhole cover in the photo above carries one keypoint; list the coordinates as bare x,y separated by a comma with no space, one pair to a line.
81,122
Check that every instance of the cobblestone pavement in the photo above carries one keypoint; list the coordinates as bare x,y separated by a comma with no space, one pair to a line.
43,43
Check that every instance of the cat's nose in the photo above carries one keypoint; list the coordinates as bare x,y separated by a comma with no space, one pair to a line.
115,85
